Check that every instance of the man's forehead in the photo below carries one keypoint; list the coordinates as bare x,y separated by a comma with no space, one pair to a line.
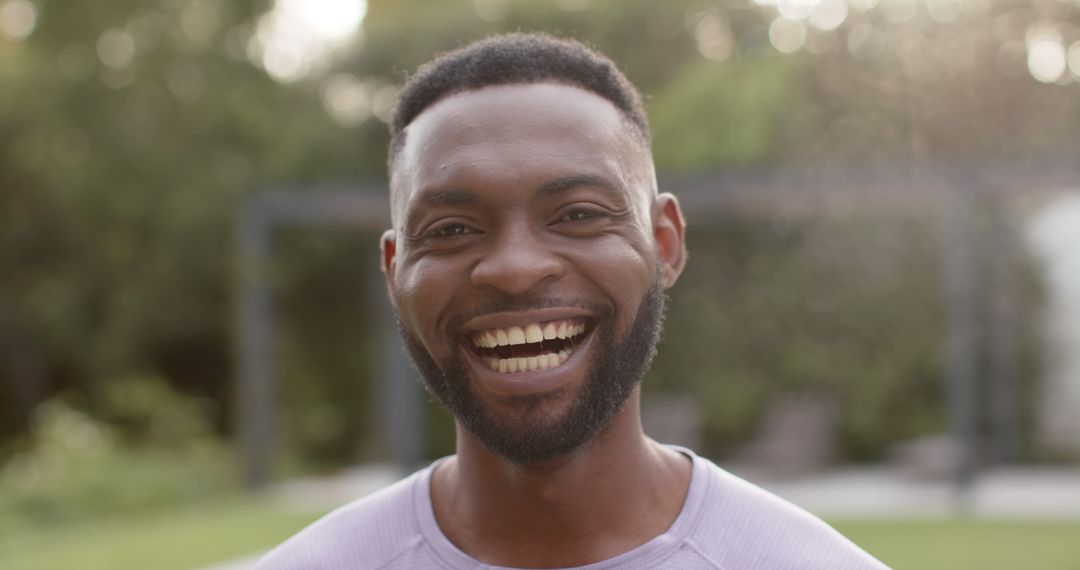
509,112
557,120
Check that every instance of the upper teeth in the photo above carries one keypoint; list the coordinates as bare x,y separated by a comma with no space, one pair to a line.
535,332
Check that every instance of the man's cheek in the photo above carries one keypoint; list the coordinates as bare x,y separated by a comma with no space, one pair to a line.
423,324
410,318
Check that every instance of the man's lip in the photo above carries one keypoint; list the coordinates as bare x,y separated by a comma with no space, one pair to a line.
523,318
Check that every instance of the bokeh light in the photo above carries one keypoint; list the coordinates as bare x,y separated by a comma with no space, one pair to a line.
796,10
490,10
787,36
346,99
712,34
199,20
18,19
1074,58
382,102
1046,54
296,36
116,48
828,14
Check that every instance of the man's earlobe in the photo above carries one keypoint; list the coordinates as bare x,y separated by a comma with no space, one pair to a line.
669,231
388,253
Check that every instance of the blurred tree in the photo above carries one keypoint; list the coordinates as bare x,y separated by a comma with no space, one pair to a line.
131,131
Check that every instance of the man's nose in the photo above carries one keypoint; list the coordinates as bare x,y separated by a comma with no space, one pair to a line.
516,263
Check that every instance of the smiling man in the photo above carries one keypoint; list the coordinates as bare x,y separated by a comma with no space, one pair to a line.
528,262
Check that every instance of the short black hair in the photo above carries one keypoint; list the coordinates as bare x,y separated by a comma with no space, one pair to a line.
515,59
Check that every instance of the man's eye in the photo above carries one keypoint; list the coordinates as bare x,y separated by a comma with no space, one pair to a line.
449,230
579,215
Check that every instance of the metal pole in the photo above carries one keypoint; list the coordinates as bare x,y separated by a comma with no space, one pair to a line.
401,400
29,374
958,281
254,345
1003,371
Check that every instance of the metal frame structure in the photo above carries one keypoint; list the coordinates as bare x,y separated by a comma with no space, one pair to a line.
948,190
401,412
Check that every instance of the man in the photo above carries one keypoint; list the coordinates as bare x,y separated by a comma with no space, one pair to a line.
527,264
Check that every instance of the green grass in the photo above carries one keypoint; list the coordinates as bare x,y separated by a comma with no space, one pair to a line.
968,545
218,532
165,541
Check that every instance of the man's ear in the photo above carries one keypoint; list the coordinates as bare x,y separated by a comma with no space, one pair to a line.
669,231
388,255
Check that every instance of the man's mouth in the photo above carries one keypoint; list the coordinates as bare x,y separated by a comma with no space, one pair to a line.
536,346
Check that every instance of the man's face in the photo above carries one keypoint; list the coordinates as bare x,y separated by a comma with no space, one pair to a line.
528,261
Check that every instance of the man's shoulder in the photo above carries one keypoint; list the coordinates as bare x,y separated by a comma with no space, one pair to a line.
749,527
367,533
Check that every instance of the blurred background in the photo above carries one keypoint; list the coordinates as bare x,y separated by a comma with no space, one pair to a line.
880,319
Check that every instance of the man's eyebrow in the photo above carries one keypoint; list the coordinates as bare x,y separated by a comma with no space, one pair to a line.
439,197
566,183
448,197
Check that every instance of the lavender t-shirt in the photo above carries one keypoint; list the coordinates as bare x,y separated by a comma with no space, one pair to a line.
726,523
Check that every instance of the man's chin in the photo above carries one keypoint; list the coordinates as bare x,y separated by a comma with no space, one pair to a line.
527,418
525,437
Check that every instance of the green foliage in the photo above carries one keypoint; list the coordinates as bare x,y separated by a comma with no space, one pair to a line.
722,115
328,359
147,413
843,307
74,467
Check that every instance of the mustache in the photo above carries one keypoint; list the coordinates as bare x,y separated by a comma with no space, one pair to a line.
509,305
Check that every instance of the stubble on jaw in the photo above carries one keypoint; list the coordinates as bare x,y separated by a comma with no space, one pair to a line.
615,368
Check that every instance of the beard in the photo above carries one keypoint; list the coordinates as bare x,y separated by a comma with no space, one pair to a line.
614,370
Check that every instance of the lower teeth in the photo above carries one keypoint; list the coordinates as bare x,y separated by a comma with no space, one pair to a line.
530,363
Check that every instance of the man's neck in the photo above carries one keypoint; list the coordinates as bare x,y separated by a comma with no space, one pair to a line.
615,493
